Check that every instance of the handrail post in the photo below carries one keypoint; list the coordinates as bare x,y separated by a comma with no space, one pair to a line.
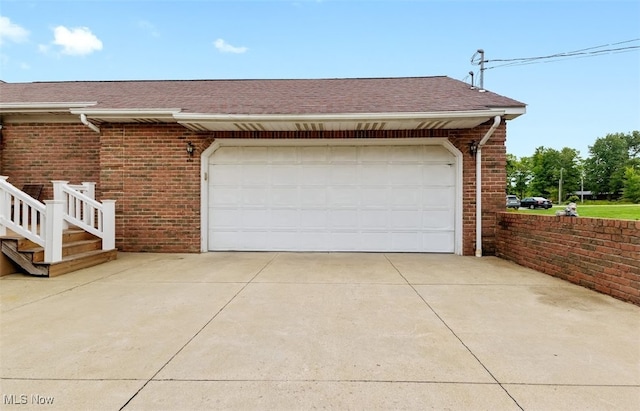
90,189
5,207
53,229
109,224
58,195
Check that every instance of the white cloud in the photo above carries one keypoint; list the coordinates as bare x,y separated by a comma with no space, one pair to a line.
11,31
225,47
149,27
77,41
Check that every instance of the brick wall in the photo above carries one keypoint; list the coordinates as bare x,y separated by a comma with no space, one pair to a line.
144,168
600,254
156,186
39,153
494,177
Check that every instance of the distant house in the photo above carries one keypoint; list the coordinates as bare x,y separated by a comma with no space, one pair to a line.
371,164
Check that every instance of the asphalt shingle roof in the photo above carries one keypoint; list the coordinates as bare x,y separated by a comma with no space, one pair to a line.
295,96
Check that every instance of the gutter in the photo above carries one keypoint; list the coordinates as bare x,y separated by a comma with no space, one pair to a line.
496,123
83,118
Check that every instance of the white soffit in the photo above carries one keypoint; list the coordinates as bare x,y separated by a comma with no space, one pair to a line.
338,122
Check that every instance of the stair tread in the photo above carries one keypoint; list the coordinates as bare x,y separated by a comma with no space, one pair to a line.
64,245
78,256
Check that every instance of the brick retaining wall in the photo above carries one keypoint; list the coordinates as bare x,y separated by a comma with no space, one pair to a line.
601,254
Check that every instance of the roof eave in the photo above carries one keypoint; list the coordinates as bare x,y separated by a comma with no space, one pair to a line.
43,107
341,121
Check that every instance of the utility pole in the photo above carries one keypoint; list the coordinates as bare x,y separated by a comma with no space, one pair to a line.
560,187
481,51
582,187
480,62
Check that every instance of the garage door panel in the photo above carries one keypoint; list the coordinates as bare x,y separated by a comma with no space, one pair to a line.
253,219
403,174
314,219
332,198
284,218
343,154
439,175
283,155
313,240
252,196
341,219
437,196
313,196
405,154
406,196
283,196
374,219
313,155
227,218
253,174
252,155
342,196
342,175
375,197
227,155
407,241
313,175
406,219
345,241
437,219
226,174
373,175
374,154
283,175
439,241
283,240
223,196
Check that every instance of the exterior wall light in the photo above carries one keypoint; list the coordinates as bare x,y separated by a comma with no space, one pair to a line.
190,149
473,148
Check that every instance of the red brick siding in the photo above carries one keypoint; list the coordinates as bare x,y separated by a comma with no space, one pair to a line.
157,190
600,254
494,179
39,153
144,168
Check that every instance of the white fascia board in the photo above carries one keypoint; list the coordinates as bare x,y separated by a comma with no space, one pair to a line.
128,113
512,112
43,107
192,117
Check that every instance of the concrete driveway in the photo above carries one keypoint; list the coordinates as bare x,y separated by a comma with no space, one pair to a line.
278,331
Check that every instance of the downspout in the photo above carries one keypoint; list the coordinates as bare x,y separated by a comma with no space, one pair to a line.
496,123
83,118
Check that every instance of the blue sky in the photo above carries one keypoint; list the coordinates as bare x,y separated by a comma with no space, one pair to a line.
571,101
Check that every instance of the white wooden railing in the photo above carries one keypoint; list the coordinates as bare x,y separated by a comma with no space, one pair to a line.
44,223
83,211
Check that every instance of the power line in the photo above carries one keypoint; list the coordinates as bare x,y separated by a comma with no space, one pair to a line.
594,51
572,53
565,57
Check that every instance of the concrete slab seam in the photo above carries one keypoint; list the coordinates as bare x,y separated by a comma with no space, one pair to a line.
198,332
453,332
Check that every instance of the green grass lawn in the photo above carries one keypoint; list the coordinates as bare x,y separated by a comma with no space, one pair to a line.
615,211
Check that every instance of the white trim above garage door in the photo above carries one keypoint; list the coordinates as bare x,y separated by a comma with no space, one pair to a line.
373,195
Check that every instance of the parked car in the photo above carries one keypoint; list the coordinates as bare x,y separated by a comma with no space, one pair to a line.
535,202
513,202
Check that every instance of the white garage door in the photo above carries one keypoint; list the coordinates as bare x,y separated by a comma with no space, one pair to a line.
332,198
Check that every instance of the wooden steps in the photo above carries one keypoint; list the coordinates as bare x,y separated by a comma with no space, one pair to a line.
79,250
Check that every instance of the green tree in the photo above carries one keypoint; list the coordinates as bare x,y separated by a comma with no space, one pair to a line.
518,175
610,156
631,188
545,169
550,166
